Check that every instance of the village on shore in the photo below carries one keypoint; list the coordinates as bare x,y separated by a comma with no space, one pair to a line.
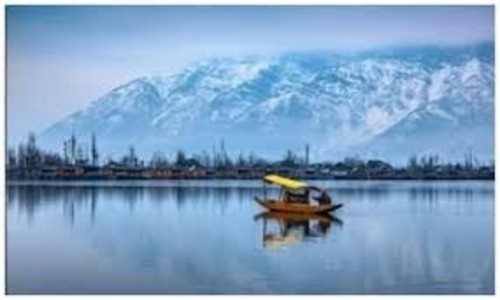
28,162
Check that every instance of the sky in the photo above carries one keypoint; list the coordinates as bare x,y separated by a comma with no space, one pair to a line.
60,58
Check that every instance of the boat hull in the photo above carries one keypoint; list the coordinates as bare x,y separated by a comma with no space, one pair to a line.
297,217
301,208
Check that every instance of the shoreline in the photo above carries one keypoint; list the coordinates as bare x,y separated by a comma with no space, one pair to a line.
56,180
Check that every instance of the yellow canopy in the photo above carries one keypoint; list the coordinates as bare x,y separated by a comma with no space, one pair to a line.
285,182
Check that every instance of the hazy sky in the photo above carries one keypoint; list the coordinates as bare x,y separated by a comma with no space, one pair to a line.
61,58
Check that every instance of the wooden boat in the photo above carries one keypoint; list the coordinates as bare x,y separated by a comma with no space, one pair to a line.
275,205
297,217
295,197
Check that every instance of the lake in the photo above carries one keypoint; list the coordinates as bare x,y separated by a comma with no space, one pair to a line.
210,237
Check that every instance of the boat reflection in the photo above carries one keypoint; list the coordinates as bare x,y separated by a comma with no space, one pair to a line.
284,229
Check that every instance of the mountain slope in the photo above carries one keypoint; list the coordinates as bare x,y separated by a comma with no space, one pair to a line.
369,103
458,117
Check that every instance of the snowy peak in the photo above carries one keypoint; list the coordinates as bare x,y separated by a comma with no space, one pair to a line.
329,100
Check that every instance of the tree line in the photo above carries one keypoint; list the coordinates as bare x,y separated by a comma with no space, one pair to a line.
28,157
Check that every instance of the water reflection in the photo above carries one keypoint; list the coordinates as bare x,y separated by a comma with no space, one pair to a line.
430,191
206,237
284,229
29,199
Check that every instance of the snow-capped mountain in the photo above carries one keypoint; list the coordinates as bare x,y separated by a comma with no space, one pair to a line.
391,103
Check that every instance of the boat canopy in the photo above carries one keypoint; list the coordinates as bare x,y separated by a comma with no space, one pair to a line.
285,182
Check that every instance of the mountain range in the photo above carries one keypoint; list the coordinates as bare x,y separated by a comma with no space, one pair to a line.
387,103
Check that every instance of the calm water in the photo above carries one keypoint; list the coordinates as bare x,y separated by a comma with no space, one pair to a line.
210,237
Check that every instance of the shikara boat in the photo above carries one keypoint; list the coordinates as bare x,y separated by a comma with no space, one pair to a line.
296,197
293,217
